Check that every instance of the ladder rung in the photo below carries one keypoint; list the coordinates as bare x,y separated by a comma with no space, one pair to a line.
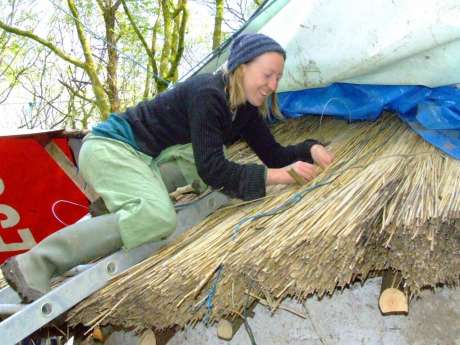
9,309
33,316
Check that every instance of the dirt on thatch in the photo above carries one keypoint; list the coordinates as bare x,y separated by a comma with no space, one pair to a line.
390,200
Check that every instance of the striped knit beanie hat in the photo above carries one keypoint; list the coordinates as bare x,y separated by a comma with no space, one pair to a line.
249,46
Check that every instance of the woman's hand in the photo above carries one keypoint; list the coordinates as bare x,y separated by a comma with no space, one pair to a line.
282,176
321,155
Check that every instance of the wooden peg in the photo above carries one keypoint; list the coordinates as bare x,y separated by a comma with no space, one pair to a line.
392,298
297,178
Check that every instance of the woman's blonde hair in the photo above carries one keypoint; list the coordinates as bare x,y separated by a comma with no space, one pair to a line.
236,96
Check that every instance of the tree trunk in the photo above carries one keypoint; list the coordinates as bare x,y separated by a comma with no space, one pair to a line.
218,19
109,13
180,24
89,66
167,37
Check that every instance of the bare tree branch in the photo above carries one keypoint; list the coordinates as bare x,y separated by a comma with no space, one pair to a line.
44,42
75,92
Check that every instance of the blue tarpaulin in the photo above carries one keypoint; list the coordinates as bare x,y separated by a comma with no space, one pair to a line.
434,113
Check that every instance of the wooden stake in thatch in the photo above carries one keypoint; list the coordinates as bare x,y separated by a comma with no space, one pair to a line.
393,299
226,329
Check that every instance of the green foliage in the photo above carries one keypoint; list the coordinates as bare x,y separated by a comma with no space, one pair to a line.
77,81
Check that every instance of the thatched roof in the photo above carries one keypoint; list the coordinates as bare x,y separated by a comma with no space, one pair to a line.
389,200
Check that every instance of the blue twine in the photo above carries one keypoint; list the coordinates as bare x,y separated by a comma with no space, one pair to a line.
294,199
211,294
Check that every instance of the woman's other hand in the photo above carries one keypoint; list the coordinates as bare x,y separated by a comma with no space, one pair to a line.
304,170
321,155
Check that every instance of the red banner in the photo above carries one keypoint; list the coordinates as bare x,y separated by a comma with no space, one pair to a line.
36,196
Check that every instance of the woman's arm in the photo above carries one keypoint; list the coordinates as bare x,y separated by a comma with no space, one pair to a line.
209,118
259,138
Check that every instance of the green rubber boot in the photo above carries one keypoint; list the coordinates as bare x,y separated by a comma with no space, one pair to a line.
172,176
30,273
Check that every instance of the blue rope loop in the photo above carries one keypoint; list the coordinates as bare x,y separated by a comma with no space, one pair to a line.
211,294
294,199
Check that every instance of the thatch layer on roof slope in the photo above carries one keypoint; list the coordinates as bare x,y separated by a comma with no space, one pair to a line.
389,200
2,281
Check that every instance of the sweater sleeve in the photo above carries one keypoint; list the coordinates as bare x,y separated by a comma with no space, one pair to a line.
259,138
207,125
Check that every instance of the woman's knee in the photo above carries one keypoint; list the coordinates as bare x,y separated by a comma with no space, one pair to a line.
90,162
170,221
146,221
164,218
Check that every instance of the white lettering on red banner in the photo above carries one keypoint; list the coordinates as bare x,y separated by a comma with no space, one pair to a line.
7,224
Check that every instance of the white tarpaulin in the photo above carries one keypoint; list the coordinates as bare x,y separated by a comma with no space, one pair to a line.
392,42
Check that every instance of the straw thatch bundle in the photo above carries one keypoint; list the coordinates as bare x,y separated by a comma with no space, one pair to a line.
2,281
389,200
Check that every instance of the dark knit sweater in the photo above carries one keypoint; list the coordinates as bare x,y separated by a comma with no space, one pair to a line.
196,111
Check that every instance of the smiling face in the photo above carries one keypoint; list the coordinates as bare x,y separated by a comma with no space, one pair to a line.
261,77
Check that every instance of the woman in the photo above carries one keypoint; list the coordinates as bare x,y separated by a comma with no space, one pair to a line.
135,158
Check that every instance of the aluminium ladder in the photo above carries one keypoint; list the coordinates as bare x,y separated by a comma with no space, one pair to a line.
25,319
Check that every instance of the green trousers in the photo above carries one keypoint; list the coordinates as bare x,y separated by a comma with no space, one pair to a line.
130,184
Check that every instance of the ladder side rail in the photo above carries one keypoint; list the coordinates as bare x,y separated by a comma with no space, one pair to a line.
42,311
